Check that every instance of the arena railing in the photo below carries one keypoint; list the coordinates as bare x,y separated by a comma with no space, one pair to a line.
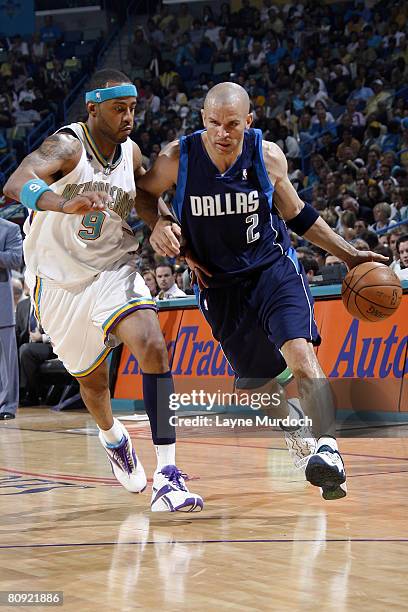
72,96
12,209
37,134
7,165
391,227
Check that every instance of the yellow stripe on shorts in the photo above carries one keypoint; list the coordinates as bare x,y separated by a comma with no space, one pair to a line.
133,305
37,297
100,358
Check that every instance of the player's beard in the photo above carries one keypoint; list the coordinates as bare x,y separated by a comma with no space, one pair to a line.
106,131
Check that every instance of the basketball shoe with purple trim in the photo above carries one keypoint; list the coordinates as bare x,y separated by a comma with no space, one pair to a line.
170,494
125,464
325,469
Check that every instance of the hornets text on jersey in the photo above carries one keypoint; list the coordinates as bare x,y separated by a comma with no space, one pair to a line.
71,249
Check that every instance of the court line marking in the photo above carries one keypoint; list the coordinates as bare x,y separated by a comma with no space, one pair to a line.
78,477
198,441
109,481
251,541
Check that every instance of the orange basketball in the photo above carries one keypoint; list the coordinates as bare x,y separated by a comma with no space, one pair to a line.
371,292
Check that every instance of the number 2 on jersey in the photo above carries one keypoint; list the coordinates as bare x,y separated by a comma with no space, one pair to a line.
92,223
253,220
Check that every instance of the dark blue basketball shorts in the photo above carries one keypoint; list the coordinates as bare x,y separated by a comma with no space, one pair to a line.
252,319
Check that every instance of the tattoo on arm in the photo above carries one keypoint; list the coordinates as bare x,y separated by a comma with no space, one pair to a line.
58,147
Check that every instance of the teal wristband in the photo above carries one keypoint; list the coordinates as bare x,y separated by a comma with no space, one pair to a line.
32,191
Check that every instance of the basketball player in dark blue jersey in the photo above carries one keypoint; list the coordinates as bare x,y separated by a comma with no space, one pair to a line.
233,202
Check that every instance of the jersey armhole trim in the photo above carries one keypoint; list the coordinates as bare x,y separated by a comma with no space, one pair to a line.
181,179
67,130
260,168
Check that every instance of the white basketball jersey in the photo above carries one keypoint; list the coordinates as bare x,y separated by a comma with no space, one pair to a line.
69,249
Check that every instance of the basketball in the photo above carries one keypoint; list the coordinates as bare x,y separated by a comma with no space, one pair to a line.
371,292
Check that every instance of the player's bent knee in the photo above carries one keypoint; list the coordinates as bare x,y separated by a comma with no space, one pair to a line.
96,382
153,355
301,359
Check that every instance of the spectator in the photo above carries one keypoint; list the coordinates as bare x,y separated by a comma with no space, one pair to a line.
207,14
287,143
153,34
34,348
17,287
382,214
186,51
180,277
379,96
10,258
223,47
311,267
140,52
164,19
184,19
225,16
212,33
348,142
50,33
150,280
401,270
166,281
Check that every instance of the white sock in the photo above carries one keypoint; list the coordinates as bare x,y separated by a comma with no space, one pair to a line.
327,441
166,455
294,407
113,435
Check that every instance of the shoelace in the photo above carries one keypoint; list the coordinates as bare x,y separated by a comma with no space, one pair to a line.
175,476
124,457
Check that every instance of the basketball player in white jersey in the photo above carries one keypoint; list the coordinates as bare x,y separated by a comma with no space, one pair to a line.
80,187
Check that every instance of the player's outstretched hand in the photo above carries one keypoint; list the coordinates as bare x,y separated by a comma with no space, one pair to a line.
198,269
86,202
165,238
364,256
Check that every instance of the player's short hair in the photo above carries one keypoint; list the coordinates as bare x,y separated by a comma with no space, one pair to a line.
101,77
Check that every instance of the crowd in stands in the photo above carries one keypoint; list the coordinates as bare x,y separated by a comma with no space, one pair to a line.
326,82
36,74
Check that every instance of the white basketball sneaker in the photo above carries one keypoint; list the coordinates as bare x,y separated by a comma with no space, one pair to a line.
300,440
325,469
170,494
125,464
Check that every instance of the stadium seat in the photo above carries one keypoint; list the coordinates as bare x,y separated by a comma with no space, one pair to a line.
185,71
92,34
137,73
73,36
59,384
65,50
84,49
200,68
72,64
222,68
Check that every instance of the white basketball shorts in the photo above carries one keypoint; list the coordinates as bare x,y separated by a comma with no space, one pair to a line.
80,319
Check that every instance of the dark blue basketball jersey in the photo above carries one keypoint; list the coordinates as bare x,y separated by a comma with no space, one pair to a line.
228,219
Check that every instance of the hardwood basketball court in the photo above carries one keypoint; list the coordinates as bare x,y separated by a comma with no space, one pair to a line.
265,540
